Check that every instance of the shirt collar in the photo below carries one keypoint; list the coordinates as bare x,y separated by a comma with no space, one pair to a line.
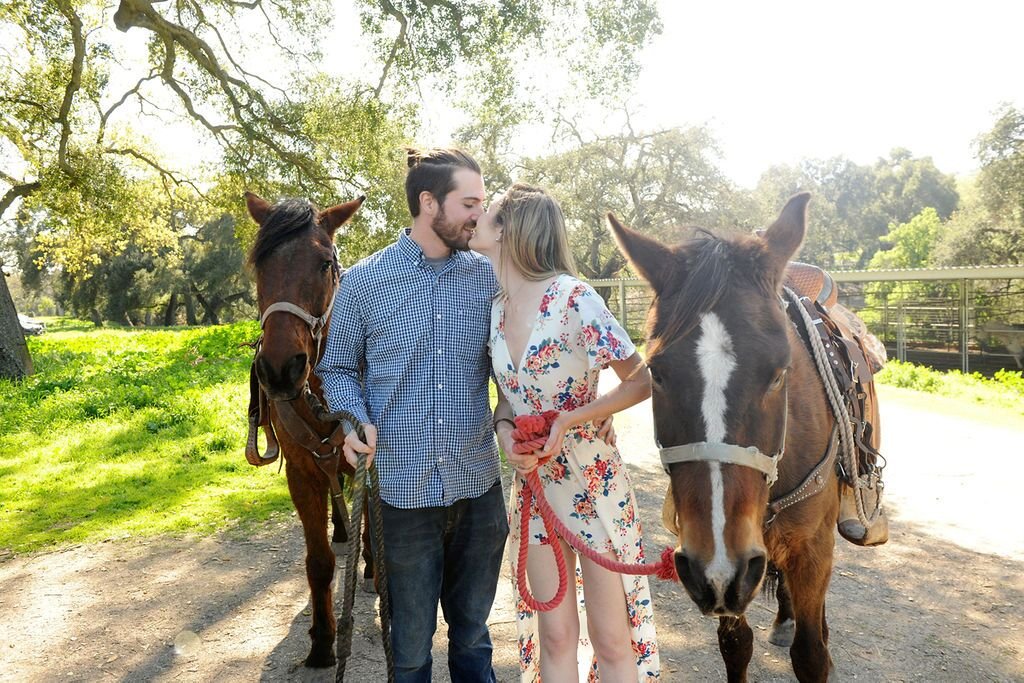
414,253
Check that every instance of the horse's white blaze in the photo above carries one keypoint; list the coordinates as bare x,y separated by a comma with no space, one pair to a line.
719,573
717,361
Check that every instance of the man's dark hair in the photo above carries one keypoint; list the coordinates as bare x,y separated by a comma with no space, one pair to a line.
432,170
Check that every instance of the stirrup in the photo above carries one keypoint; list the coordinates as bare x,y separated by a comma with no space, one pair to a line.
849,524
252,451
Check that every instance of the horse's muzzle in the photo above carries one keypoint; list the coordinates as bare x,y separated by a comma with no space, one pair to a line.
284,383
717,598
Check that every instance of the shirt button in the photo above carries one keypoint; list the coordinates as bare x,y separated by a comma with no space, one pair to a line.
439,352
440,386
440,421
438,316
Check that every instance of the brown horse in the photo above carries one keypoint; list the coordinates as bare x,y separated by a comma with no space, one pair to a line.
741,417
297,273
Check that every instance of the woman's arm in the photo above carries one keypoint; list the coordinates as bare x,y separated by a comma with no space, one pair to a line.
634,387
503,426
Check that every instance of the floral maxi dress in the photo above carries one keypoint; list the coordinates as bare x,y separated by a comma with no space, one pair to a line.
574,337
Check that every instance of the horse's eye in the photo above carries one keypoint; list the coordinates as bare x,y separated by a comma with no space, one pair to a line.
655,375
325,266
780,377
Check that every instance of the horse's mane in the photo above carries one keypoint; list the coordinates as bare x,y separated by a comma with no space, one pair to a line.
712,264
285,220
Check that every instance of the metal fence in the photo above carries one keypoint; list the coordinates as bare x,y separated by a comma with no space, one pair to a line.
969,318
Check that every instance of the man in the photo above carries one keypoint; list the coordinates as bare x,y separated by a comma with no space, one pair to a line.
416,316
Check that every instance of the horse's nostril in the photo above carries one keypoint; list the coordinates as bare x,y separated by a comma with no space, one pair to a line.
756,567
262,370
295,369
282,382
749,575
691,575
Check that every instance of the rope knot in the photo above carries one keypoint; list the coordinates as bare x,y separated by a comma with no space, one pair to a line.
532,431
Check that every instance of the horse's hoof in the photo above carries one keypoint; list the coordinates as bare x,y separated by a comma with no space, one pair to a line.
782,633
369,586
322,660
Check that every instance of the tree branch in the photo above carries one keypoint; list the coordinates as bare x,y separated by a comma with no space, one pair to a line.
73,85
106,115
169,175
403,22
22,190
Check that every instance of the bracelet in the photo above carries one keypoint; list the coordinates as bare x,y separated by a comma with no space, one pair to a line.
503,419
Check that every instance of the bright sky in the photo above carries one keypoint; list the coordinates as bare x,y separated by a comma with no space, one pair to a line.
785,80
781,81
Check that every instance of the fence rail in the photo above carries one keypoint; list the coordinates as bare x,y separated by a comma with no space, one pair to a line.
967,317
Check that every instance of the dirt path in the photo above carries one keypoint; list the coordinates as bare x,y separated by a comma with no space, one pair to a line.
940,602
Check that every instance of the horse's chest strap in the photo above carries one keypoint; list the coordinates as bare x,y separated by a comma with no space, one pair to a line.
814,483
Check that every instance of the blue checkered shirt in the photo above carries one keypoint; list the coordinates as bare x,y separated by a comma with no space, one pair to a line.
422,337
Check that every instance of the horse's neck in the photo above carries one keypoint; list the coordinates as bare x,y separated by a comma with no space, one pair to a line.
810,419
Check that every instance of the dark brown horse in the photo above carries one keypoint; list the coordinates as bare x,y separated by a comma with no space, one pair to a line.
741,417
297,273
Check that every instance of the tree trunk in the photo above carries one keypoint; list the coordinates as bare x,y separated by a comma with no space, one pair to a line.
172,310
190,308
211,308
97,319
15,361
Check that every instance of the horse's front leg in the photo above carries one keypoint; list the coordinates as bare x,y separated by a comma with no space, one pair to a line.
807,580
308,493
736,643
784,626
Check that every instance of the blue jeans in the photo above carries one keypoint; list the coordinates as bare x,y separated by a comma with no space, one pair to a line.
452,555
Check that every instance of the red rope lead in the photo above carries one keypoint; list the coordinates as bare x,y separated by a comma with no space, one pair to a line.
529,430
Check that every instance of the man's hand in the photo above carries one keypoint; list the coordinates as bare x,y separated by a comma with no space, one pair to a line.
352,446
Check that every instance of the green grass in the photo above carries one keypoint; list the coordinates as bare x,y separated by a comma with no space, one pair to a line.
127,432
996,399
124,432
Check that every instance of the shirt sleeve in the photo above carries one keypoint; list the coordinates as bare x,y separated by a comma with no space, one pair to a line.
341,368
600,336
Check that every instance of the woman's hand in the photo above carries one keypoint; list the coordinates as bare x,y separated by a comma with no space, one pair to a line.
520,462
605,430
523,463
559,428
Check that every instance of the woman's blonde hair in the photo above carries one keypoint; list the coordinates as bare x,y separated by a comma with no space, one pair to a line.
534,239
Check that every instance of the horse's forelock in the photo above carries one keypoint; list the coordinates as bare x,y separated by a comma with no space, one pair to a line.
285,221
712,264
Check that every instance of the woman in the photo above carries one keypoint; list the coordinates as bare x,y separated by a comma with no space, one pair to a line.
551,335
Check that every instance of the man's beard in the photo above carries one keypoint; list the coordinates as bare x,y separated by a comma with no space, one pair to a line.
454,237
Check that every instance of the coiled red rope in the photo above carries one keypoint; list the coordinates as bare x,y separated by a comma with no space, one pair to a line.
530,435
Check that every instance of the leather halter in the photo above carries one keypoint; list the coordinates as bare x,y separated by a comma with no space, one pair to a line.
747,456
297,427
316,325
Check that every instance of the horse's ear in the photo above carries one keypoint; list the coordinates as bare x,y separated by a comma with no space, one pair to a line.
258,207
338,215
649,257
784,236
